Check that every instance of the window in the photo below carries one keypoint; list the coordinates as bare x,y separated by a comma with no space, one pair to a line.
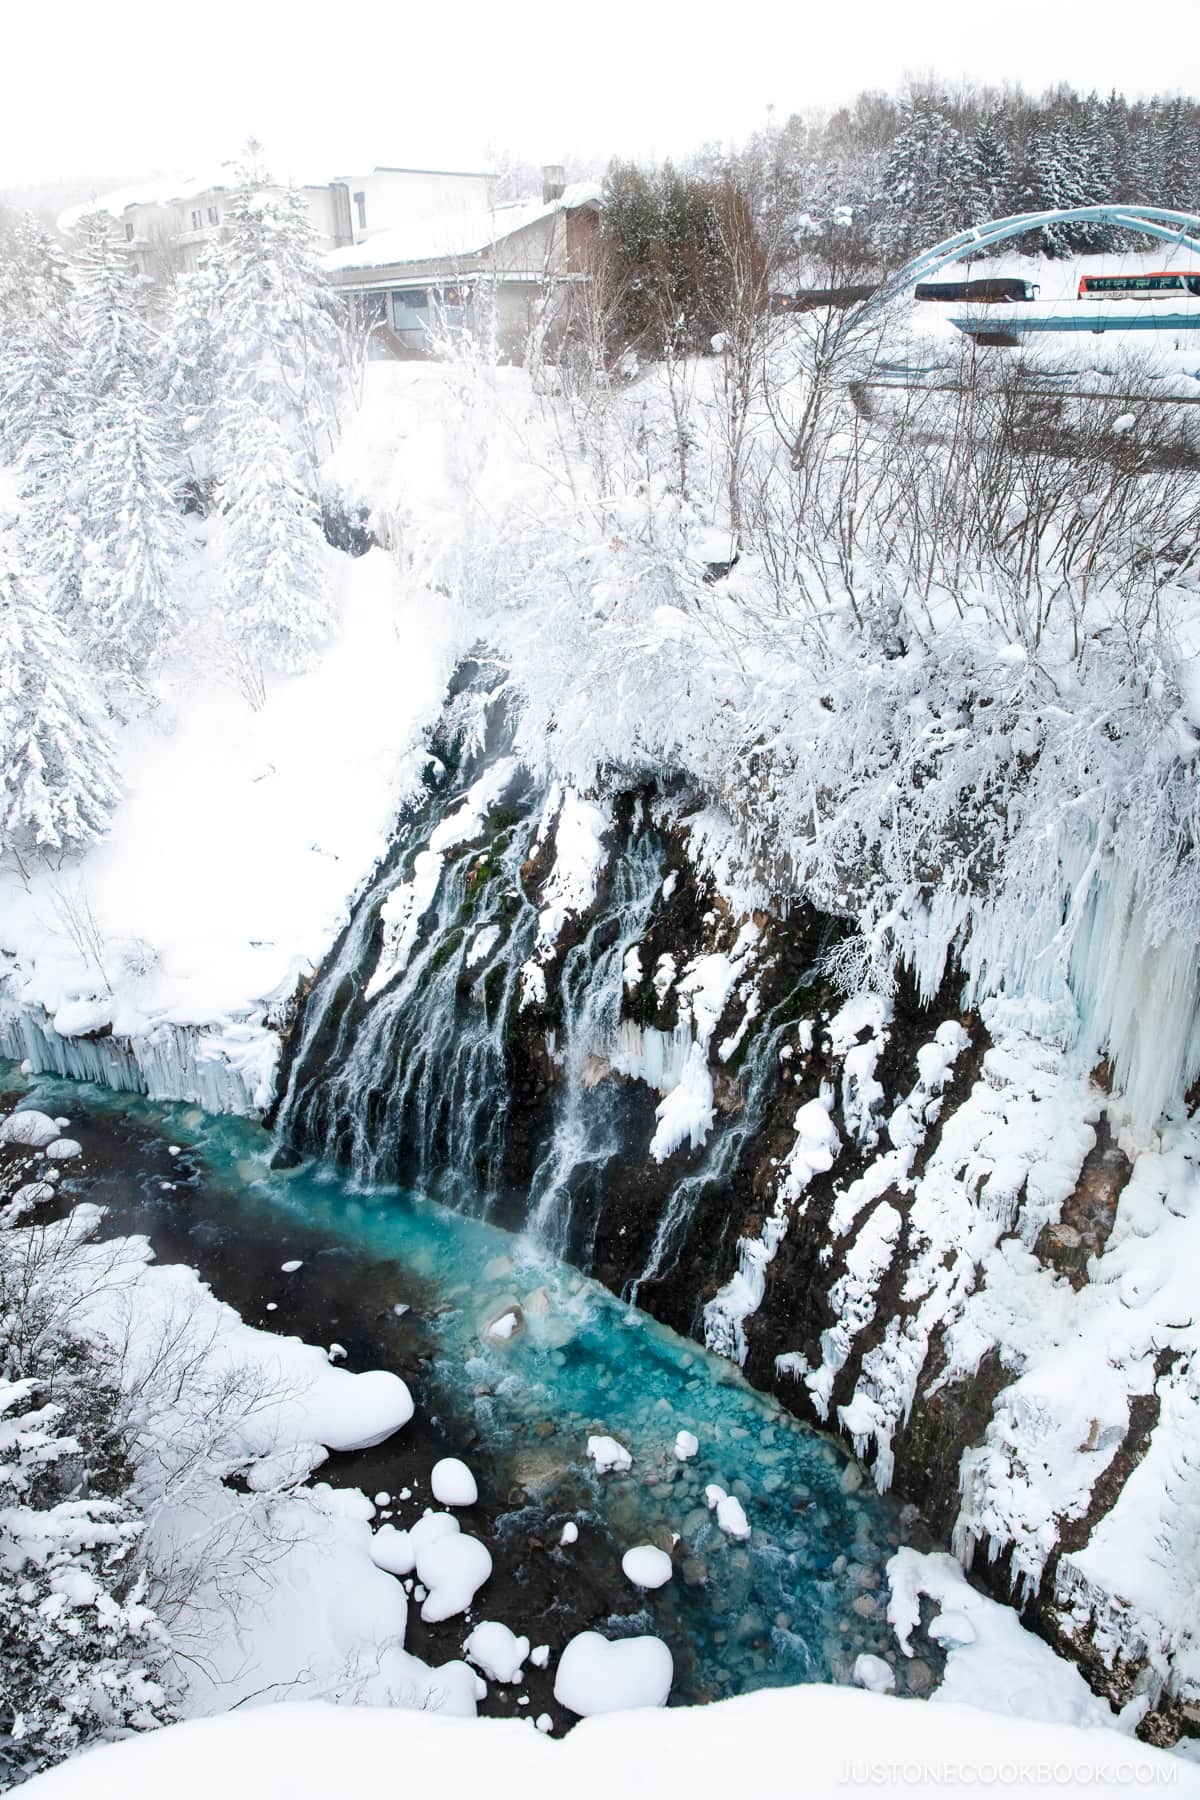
410,309
360,202
197,218
129,230
214,217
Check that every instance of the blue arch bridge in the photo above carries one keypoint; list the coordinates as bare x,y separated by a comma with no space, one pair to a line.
1172,312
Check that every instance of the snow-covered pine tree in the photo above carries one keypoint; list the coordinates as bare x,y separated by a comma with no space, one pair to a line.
189,375
927,182
274,585
58,782
1180,158
275,340
992,170
278,371
38,352
131,516
41,430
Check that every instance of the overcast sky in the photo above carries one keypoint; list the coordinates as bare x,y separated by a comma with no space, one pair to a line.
126,87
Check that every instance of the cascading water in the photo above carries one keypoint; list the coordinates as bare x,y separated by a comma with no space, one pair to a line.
400,1067
586,1134
758,1072
426,1055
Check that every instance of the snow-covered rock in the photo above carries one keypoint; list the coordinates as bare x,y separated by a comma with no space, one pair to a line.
873,1673
731,1514
453,1567
63,1149
599,1675
647,1566
452,1483
34,1130
608,1455
497,1650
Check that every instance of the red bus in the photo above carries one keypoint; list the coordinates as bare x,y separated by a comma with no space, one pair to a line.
1140,287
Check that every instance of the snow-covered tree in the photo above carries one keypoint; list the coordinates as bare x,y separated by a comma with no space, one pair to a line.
80,1650
928,180
38,351
131,516
58,782
277,371
275,342
189,374
992,171
274,585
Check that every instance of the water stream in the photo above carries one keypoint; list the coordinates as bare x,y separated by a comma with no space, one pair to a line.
795,1603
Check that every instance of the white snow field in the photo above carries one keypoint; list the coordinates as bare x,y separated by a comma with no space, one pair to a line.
241,837
821,1743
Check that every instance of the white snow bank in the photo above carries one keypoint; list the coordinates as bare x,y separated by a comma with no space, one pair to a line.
992,1660
599,1675
279,1590
452,1483
232,857
846,1738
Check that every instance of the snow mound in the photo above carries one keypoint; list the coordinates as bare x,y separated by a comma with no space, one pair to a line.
873,1673
686,1445
63,1149
453,1567
453,1483
352,1412
647,1566
992,1660
598,1675
31,1129
731,1515
499,1652
608,1455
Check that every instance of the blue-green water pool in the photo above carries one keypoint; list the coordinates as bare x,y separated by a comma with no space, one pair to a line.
795,1602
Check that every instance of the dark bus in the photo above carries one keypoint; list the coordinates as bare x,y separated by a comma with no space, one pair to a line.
987,291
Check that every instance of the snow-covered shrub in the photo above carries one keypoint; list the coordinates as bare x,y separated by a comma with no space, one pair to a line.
82,1653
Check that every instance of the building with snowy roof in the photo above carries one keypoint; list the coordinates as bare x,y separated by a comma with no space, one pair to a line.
432,274
168,221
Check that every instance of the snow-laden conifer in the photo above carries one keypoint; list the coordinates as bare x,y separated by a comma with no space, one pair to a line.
58,782
130,508
273,575
275,343
277,370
